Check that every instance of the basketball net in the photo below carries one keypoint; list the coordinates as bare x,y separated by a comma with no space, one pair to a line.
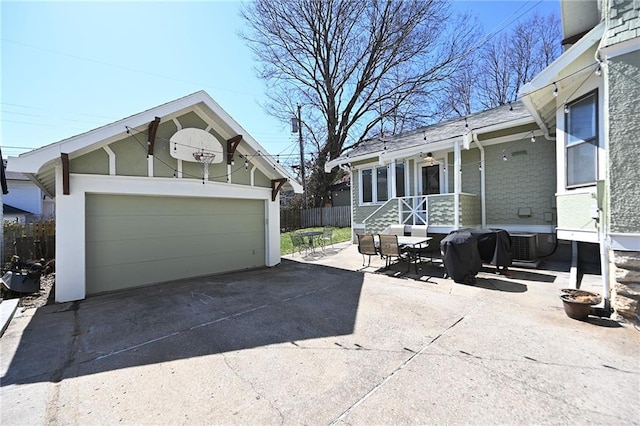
204,158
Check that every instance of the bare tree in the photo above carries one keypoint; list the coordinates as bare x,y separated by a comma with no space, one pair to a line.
496,77
352,65
499,67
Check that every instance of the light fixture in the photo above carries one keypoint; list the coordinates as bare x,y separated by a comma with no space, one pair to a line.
555,89
533,137
598,71
566,108
504,156
429,159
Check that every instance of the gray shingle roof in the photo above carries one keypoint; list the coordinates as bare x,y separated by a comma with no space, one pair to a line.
443,131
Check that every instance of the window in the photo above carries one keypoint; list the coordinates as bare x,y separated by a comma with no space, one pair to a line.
374,185
400,180
582,141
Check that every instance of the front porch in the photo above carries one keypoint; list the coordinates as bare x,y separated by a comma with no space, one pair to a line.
442,213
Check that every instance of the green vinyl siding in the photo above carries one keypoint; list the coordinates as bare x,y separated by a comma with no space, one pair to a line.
163,163
95,162
525,181
575,210
133,241
131,157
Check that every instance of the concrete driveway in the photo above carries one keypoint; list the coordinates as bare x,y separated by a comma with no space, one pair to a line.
315,341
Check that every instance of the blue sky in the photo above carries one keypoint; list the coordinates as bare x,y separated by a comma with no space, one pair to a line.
69,67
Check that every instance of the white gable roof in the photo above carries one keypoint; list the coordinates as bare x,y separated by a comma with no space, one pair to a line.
201,103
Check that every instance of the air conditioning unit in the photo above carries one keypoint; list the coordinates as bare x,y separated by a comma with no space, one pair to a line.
524,249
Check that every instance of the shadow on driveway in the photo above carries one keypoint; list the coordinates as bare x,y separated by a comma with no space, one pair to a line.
291,302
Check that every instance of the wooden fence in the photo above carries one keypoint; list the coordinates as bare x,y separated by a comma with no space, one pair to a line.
31,241
339,217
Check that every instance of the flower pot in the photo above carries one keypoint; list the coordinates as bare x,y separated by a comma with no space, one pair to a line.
578,303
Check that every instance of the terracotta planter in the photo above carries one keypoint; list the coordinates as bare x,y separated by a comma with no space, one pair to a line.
578,303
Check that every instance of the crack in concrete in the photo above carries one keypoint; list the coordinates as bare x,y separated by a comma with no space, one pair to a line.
253,387
208,323
377,387
528,384
57,375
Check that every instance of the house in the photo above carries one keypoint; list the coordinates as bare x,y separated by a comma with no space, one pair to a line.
25,196
177,191
574,185
589,97
14,214
493,169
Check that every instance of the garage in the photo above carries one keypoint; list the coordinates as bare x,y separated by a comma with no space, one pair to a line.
175,192
139,240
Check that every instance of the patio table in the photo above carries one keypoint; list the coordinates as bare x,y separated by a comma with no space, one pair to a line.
312,235
413,243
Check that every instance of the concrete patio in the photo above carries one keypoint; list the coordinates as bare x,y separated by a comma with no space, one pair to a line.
317,340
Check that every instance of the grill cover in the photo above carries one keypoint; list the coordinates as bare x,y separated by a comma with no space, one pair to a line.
461,256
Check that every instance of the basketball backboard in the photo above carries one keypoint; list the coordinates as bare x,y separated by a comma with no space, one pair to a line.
187,142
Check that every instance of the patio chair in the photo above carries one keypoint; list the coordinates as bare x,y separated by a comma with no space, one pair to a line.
327,236
300,243
422,249
389,249
366,247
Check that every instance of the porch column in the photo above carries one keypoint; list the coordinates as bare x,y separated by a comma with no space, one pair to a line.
392,179
457,182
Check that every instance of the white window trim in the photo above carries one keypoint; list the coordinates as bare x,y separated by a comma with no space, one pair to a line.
406,177
444,183
374,187
598,138
595,83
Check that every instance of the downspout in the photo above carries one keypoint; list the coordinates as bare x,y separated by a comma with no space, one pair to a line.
483,201
457,183
604,204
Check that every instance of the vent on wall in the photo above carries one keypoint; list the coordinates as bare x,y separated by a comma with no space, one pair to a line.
524,248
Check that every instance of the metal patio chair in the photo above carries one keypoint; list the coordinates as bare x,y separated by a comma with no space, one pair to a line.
366,247
300,243
389,249
422,250
327,236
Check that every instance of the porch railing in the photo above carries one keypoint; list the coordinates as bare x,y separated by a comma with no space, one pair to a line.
437,210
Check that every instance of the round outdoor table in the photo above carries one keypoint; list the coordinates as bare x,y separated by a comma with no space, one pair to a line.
311,235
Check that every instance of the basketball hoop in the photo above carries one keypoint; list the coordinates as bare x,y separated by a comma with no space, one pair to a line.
204,158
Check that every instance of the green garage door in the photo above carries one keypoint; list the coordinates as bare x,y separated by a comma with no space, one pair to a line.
137,240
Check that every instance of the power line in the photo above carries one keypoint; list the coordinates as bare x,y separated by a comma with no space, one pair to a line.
125,68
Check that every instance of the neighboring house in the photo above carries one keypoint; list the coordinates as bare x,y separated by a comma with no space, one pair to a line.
135,207
23,194
341,192
14,214
589,98
493,169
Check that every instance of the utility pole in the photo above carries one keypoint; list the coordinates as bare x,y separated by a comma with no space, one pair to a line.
302,173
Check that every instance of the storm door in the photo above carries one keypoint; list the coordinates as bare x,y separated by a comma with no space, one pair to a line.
430,179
